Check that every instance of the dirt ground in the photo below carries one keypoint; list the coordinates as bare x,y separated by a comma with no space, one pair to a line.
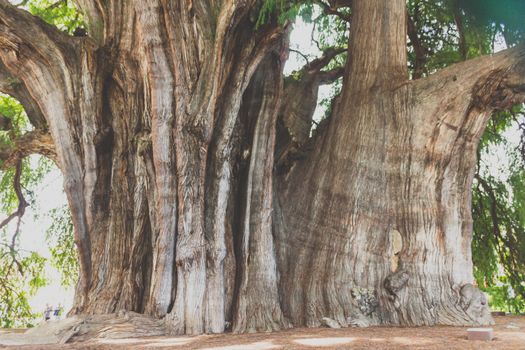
509,333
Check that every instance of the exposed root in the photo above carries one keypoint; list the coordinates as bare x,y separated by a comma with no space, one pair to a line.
83,328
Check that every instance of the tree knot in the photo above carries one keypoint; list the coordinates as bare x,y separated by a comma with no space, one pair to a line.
396,281
475,304
500,90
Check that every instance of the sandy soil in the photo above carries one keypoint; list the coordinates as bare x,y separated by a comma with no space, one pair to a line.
509,334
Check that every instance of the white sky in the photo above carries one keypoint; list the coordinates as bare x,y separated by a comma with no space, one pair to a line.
50,193
32,238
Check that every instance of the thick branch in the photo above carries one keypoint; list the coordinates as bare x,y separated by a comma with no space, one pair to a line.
37,54
33,142
377,45
300,100
18,28
299,103
330,76
321,62
17,89
489,83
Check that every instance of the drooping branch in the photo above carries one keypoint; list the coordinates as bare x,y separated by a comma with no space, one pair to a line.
506,247
22,203
463,48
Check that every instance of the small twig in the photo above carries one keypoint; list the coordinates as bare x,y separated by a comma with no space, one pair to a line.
312,37
18,249
301,54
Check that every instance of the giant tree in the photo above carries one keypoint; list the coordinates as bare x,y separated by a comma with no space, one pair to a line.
197,193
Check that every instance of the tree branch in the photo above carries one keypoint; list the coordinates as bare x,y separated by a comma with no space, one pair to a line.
18,28
332,9
300,54
330,76
33,142
37,53
321,62
490,83
17,89
296,112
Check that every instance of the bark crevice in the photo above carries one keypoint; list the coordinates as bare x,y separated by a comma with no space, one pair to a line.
198,194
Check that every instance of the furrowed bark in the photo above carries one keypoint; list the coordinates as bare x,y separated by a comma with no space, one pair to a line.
387,197
258,303
46,61
164,125
144,153
15,88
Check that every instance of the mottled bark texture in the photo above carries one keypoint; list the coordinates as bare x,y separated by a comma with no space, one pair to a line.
187,207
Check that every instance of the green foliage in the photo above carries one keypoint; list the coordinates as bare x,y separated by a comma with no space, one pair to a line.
498,209
60,240
509,15
21,272
438,25
283,10
18,269
503,298
61,13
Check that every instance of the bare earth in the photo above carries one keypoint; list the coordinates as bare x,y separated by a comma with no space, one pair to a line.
509,333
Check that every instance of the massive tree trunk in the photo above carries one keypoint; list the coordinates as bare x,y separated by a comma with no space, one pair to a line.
164,126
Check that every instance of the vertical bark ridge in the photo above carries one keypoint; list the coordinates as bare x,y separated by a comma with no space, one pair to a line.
213,105
160,81
258,305
220,176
